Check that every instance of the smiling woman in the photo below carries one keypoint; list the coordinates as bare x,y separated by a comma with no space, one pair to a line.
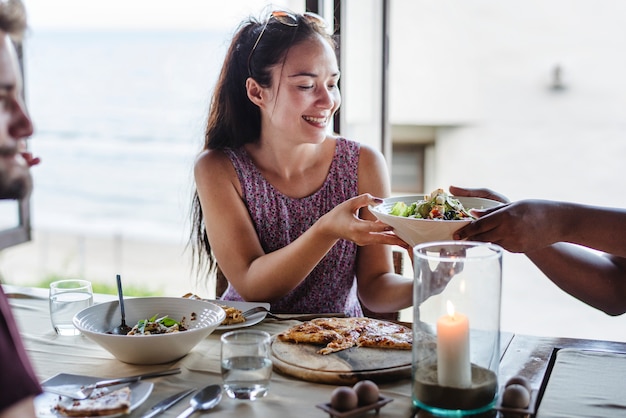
281,201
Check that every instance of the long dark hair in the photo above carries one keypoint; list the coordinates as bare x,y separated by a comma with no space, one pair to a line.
233,119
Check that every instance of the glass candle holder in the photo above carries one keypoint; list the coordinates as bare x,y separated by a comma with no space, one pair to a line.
456,327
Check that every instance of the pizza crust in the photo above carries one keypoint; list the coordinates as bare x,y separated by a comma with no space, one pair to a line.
100,404
233,315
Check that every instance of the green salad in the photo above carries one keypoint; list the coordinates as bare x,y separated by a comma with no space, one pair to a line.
439,205
158,325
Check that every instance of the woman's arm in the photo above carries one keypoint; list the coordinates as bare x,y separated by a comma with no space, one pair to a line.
380,289
255,274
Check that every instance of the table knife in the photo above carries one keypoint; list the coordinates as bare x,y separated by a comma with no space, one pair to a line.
305,317
167,403
82,391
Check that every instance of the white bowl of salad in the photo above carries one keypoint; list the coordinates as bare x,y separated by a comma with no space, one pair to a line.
164,328
431,217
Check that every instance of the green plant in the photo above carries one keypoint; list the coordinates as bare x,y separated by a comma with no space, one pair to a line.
104,288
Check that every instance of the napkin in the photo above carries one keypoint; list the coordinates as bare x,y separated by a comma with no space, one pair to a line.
206,356
585,384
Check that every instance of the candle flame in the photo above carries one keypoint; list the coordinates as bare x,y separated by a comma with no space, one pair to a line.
450,309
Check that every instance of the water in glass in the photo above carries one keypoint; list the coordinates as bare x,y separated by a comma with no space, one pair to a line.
246,364
246,377
67,297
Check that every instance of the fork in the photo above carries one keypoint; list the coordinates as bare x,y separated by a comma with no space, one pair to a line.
287,316
81,392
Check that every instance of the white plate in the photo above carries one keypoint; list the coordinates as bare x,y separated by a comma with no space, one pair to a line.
45,403
416,231
243,306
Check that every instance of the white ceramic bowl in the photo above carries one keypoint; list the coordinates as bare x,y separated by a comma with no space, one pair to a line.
94,322
416,231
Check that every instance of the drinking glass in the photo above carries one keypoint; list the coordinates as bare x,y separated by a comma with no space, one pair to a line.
67,297
246,364
456,327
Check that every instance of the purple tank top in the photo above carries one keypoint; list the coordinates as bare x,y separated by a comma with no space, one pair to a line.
279,220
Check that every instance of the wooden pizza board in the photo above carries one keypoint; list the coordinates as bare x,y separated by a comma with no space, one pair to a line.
344,367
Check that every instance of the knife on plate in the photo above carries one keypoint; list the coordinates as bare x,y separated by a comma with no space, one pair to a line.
166,403
305,317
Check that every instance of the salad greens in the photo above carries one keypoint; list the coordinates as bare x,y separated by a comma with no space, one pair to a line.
439,205
156,325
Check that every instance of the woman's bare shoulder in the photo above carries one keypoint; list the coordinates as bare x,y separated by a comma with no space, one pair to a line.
215,167
373,172
369,155
208,156
210,160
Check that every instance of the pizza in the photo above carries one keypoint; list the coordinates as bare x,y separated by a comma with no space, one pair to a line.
233,315
101,403
337,334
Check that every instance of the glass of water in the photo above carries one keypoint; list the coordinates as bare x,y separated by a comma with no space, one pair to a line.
67,297
246,364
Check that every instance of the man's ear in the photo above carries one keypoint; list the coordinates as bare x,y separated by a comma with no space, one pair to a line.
254,91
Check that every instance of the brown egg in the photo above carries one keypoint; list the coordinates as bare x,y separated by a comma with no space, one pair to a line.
366,392
515,396
518,380
343,399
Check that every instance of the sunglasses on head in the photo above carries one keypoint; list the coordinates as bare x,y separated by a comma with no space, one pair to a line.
287,19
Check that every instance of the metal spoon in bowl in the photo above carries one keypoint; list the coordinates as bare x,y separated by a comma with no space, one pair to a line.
204,400
122,329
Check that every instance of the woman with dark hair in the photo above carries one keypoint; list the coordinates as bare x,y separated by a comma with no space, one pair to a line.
280,203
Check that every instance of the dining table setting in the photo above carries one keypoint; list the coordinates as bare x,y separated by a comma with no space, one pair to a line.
565,377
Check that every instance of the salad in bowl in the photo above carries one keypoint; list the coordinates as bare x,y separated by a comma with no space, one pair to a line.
431,217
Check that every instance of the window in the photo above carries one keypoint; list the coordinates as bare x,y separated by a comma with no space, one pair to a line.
407,168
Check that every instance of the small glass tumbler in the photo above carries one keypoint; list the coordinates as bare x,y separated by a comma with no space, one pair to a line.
68,297
246,364
456,327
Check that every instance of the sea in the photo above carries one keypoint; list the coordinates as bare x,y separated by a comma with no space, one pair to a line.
119,117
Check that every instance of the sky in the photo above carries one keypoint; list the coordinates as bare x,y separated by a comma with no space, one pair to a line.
145,14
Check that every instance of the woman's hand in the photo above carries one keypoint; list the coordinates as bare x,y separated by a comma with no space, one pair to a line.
344,222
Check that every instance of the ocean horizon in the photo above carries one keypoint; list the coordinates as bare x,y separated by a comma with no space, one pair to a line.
119,117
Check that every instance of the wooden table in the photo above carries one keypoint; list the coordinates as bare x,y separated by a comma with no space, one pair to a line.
529,356
523,355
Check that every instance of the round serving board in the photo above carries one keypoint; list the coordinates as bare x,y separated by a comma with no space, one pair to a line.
343,367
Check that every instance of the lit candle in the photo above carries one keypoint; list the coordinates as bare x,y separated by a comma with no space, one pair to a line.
453,354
